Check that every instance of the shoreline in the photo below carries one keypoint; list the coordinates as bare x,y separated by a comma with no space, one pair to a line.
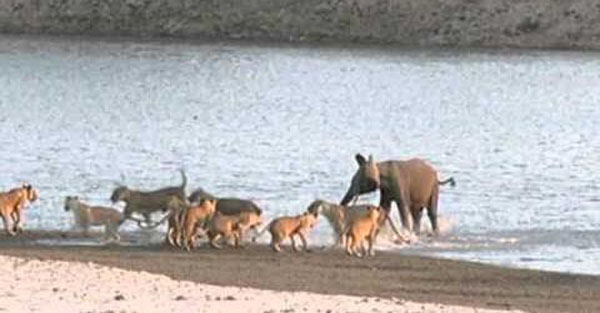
387,275
431,23
116,290
274,44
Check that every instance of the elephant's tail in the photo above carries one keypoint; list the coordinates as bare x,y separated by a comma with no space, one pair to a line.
450,181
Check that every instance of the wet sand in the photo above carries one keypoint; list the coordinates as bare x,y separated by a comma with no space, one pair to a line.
388,275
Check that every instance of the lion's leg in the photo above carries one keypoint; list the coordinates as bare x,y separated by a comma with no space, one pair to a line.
349,242
237,238
106,234
371,239
86,230
8,229
294,243
363,247
275,242
189,230
213,241
114,229
16,218
355,245
177,235
171,236
147,217
304,242
240,238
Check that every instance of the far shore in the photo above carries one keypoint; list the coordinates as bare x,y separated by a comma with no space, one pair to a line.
387,275
283,44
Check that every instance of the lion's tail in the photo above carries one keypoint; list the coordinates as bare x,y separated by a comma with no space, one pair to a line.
183,180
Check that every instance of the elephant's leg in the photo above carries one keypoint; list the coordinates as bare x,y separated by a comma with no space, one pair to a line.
432,210
385,201
417,213
405,215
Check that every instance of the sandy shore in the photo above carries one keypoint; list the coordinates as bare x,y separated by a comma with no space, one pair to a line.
57,286
172,280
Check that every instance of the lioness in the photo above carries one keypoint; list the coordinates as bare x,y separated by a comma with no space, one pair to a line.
227,206
363,228
289,226
340,216
228,226
87,215
196,216
148,202
12,204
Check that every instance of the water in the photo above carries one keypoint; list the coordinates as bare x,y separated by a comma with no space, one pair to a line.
280,125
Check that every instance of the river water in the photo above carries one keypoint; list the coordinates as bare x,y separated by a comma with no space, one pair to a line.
280,125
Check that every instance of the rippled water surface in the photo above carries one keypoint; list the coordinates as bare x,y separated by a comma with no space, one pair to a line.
280,125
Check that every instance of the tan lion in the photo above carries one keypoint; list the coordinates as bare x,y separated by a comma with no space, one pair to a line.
195,217
231,226
361,229
340,216
87,215
12,204
288,227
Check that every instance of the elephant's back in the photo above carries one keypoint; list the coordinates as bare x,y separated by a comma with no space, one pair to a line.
415,167
421,178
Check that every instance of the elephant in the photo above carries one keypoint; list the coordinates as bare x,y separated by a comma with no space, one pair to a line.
413,184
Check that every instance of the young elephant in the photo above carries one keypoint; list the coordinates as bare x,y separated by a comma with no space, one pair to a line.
228,226
413,184
363,228
289,226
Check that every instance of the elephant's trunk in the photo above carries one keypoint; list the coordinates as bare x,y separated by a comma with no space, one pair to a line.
350,194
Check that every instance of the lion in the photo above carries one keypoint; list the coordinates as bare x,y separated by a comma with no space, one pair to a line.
227,206
87,215
12,204
289,226
194,217
340,216
148,202
231,226
363,228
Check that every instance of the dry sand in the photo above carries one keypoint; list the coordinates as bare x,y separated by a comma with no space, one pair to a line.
56,286
311,281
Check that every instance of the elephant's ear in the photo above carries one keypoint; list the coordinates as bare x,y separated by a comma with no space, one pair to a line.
360,159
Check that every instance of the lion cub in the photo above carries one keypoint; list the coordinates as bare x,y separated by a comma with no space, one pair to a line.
87,215
228,226
194,217
363,228
289,226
